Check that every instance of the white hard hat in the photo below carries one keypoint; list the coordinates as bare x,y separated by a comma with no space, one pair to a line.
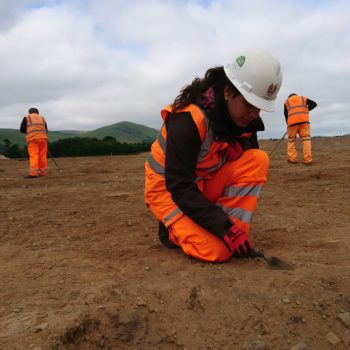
258,77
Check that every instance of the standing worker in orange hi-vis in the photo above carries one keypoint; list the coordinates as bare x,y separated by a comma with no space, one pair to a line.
296,112
205,172
35,128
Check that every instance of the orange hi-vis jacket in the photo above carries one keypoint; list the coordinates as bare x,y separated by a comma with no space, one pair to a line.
297,109
210,159
36,128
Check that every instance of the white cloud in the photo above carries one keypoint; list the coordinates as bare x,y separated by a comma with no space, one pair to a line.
87,64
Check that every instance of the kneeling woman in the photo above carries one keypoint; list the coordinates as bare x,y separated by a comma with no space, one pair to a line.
205,172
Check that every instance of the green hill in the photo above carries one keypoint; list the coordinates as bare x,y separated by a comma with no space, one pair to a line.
15,137
123,132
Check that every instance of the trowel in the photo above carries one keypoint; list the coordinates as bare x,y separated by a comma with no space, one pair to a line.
273,262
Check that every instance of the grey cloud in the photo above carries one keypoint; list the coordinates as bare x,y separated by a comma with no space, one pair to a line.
89,64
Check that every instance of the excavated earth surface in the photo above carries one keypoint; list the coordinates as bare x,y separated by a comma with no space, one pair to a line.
81,266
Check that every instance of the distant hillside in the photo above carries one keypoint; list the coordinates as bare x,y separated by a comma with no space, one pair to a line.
15,137
123,132
11,134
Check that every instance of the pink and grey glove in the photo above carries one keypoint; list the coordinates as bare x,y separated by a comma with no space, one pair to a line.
233,151
238,243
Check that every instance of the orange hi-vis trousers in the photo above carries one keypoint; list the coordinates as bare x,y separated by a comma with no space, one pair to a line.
37,150
303,130
235,187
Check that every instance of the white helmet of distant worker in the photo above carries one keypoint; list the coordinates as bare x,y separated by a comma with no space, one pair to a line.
258,77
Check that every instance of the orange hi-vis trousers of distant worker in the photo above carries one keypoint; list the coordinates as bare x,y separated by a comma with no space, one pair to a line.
303,130
235,187
37,150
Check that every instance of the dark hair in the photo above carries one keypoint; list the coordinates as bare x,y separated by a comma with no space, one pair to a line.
214,77
33,110
293,94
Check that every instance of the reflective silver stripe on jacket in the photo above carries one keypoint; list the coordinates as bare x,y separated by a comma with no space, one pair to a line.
161,140
157,167
239,213
171,215
37,130
235,191
205,146
295,113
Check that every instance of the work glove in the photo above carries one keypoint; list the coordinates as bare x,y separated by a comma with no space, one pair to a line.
238,243
233,151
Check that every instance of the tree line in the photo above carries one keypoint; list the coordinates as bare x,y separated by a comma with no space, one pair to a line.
80,147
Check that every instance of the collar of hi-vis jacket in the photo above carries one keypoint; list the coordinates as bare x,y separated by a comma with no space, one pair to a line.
198,116
296,101
35,119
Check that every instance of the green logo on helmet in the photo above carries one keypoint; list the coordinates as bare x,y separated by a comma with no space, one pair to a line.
240,61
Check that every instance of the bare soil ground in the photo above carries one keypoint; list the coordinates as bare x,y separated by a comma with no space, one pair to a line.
81,266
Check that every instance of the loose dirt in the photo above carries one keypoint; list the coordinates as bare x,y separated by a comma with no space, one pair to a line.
81,266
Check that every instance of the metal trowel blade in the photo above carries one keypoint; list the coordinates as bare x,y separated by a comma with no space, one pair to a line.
274,263
278,264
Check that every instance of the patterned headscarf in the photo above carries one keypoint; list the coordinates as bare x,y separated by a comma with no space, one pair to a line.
208,99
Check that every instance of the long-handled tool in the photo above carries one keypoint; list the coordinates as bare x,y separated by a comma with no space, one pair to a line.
278,143
53,159
273,262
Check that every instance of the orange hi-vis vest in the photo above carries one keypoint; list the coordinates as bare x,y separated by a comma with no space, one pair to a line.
297,109
36,128
210,159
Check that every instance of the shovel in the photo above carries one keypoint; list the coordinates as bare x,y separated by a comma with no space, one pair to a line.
273,262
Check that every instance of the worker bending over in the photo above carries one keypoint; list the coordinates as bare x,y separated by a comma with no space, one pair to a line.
296,112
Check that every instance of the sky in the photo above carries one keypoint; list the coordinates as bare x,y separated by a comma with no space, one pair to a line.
90,63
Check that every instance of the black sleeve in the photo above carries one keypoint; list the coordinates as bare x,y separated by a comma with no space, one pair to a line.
23,127
182,149
285,113
46,127
310,104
